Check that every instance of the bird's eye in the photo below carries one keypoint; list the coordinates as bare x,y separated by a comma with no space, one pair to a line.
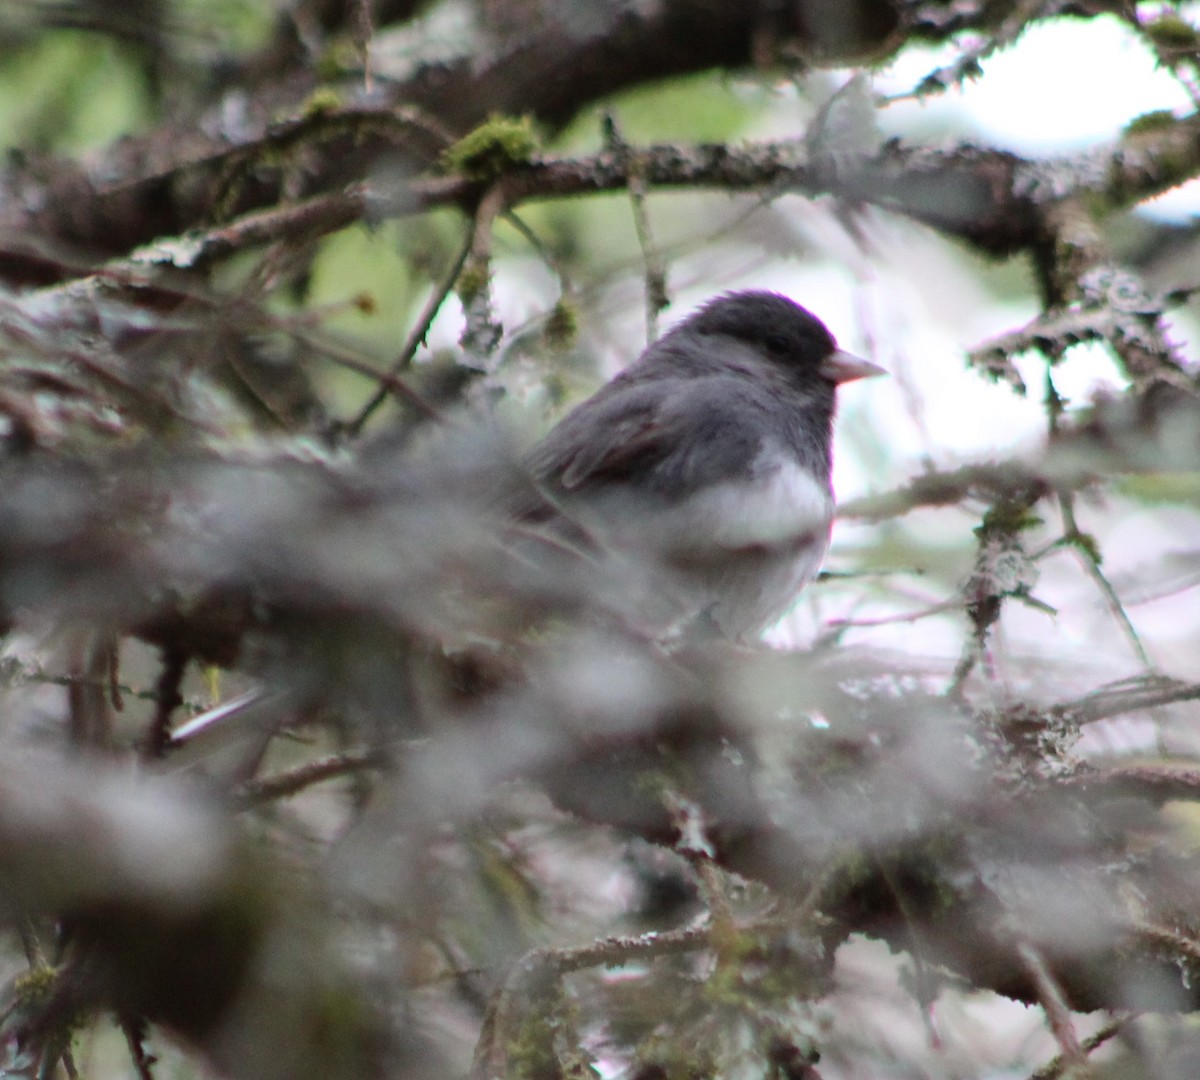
778,343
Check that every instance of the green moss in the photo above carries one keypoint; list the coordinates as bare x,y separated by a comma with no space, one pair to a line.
1172,32
472,281
492,148
1175,164
562,325
33,990
34,986
1168,160
1007,517
530,1050
1158,120
724,986
1086,543
322,100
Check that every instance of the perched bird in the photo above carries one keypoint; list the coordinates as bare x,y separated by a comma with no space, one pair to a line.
702,470
707,464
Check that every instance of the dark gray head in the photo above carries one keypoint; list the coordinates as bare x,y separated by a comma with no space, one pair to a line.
780,330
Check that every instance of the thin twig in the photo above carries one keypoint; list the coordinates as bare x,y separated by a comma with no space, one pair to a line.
939,608
388,382
924,985
1188,947
114,677
1052,1070
283,785
35,955
967,65
655,274
812,898
34,674
983,481
363,23
617,950
482,332
1084,550
530,984
304,219
1125,697
167,699
418,333
1053,1002
543,252
1147,782
87,703
134,1028
971,655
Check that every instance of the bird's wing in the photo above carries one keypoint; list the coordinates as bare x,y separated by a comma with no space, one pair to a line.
662,437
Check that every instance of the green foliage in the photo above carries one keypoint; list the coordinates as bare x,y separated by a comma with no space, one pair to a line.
695,109
228,25
69,92
1161,488
342,57
372,277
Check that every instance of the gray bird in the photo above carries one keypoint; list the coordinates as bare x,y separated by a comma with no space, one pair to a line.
706,465
702,471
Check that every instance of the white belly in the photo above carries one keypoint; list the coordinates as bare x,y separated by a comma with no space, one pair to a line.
735,554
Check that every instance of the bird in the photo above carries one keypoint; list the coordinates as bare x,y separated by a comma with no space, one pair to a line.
703,469
706,463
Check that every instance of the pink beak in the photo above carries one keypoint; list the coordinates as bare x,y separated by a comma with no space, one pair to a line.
842,367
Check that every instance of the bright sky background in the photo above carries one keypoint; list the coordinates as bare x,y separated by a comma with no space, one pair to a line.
1065,85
